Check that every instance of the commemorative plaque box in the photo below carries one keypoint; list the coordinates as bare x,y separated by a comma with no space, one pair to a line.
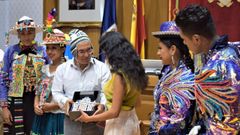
85,101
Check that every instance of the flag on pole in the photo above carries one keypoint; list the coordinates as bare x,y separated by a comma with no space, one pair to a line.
138,33
109,21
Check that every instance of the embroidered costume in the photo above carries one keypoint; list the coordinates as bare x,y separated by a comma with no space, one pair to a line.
20,72
18,83
49,122
173,96
217,87
52,122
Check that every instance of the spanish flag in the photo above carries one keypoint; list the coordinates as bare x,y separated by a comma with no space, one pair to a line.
138,34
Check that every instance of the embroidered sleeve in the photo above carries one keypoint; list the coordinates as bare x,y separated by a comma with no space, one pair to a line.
4,79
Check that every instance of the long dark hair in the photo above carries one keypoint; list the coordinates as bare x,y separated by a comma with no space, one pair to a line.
123,58
183,49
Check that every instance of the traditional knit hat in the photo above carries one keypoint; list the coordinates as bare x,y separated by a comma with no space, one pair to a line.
24,23
77,36
168,28
56,37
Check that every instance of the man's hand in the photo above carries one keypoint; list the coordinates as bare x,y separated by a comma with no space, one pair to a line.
7,116
100,109
67,106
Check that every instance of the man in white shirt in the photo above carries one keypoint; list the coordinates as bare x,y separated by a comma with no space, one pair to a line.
83,73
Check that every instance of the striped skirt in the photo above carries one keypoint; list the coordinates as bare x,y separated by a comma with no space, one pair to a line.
22,111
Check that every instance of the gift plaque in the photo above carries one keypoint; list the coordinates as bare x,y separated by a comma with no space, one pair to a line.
85,101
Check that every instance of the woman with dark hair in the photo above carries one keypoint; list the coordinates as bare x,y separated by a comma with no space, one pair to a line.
173,95
123,89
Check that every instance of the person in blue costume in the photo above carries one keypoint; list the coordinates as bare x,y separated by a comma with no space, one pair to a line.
173,95
49,119
21,69
217,72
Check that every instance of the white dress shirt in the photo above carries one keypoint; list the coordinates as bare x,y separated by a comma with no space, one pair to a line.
69,78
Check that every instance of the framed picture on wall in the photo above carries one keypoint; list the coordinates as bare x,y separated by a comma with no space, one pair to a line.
82,12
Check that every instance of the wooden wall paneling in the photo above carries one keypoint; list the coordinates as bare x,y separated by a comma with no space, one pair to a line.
93,32
156,12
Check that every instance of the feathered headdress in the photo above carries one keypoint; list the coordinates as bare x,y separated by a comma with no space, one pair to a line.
50,22
54,36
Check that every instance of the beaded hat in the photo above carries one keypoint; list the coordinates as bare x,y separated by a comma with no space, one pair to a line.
25,22
56,37
168,28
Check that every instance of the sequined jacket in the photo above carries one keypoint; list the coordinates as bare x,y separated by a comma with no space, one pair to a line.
174,102
217,87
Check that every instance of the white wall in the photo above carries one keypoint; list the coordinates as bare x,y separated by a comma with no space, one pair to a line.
12,10
4,22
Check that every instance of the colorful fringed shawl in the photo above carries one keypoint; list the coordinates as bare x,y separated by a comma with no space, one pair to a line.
43,89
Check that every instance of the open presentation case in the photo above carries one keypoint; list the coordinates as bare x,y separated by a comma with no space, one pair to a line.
85,101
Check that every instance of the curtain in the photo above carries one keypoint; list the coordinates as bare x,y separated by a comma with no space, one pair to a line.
225,15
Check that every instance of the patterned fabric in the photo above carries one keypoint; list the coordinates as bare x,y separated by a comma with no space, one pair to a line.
13,68
56,37
25,22
43,89
21,71
22,112
168,28
217,87
50,123
76,37
174,99
25,75
155,116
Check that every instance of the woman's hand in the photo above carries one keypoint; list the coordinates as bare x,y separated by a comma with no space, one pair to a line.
67,106
38,110
83,118
100,109
7,116
46,107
